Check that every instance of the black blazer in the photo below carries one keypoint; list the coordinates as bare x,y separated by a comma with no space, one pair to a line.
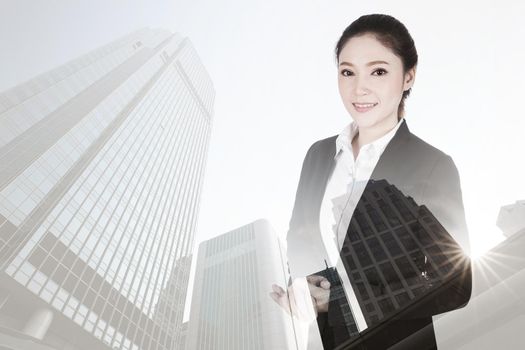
420,171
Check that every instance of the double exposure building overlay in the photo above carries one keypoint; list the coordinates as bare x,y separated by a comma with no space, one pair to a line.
102,169
390,241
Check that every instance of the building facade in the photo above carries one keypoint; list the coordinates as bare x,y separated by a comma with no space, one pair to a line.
102,162
231,306
397,251
511,218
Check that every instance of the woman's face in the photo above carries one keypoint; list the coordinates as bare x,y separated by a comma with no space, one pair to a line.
371,82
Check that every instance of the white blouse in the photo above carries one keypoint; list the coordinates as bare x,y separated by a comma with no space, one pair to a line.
343,191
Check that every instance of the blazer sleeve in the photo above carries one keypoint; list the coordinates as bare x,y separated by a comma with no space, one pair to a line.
293,242
305,249
296,219
443,197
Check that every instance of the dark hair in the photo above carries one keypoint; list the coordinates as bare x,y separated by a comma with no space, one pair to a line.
389,32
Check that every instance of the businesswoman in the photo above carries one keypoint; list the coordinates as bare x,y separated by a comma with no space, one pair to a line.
376,66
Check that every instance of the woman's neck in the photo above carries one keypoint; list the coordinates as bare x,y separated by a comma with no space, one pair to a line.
369,135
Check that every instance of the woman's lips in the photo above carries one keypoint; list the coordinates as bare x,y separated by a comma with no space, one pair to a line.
364,107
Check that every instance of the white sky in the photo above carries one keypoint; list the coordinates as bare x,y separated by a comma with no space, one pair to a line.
273,70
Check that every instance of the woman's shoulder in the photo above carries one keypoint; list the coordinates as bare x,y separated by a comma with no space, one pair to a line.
327,141
409,157
323,146
416,147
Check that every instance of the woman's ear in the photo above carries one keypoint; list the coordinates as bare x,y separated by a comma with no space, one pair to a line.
410,77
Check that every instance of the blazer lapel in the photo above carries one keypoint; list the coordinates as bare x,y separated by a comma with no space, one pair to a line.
390,156
325,168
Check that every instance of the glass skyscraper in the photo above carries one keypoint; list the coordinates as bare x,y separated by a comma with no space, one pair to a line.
102,164
231,306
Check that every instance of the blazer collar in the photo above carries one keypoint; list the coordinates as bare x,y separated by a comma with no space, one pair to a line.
327,163
388,156
391,153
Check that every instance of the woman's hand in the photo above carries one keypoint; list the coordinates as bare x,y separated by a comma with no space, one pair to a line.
305,298
320,291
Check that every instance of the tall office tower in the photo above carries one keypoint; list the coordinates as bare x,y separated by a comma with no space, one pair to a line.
102,169
511,218
231,306
396,251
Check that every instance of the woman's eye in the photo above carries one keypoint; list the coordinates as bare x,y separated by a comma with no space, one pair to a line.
346,73
379,71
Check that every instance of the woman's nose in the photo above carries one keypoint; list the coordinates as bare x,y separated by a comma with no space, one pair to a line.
360,87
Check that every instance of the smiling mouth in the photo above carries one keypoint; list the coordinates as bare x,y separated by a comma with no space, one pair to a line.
364,107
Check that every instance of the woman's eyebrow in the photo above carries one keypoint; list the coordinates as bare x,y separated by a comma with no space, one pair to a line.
344,63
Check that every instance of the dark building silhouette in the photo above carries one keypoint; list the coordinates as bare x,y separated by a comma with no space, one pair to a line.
401,263
397,250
